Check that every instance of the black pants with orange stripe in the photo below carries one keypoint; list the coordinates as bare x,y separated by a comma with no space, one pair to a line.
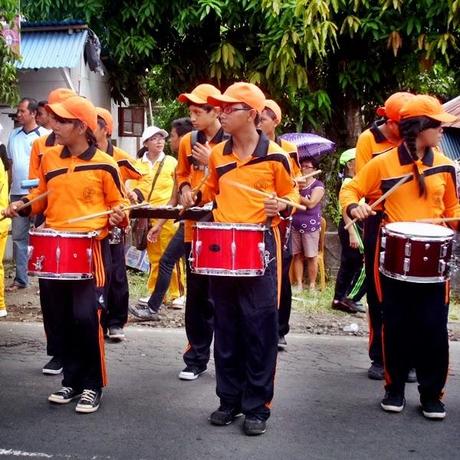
371,232
246,337
199,312
415,335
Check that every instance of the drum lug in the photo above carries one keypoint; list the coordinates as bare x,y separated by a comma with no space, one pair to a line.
406,266
383,242
444,249
89,253
407,249
30,251
261,247
233,249
198,246
382,258
442,267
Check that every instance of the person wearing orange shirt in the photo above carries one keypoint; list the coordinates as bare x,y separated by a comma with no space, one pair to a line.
414,312
192,168
246,308
381,137
115,315
269,119
80,180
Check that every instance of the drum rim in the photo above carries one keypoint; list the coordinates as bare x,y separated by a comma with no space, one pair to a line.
230,226
55,233
448,233
414,279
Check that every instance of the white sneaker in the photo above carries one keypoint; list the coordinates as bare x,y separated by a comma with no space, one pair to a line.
143,301
178,303
3,312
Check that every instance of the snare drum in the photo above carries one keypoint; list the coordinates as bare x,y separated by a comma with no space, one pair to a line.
60,255
226,249
416,252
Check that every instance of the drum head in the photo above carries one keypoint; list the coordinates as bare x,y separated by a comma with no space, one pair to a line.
419,229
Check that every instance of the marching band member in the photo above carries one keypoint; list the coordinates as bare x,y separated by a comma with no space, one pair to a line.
414,314
246,308
80,180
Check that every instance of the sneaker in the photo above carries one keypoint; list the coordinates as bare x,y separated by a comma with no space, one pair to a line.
282,344
144,301
411,376
359,306
89,402
393,402
116,333
64,395
224,415
433,409
178,303
191,372
3,312
253,426
144,314
375,372
53,366
346,305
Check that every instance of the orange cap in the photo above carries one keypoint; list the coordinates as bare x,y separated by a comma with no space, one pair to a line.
393,105
76,108
59,94
242,92
200,94
107,117
274,107
423,105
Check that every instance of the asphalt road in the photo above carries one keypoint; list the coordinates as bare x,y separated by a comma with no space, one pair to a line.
324,406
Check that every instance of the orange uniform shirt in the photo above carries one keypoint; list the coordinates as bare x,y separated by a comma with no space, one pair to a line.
291,150
39,147
405,204
266,169
189,172
126,163
77,186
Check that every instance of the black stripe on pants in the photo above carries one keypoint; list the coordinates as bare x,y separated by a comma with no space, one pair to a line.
371,232
415,331
246,337
198,317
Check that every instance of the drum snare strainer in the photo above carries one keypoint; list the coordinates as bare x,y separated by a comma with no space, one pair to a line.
416,252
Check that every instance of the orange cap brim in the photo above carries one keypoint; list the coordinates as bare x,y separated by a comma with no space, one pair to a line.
191,98
444,117
223,99
60,111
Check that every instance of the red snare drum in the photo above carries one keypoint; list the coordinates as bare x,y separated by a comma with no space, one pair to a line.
60,255
226,249
416,252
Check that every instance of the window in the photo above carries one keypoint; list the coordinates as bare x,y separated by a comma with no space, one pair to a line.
130,121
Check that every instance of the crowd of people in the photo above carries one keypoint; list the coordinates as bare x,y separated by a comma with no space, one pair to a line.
68,177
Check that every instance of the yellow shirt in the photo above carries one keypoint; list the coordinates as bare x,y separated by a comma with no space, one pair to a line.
5,223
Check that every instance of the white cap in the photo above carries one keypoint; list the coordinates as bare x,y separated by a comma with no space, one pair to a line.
151,131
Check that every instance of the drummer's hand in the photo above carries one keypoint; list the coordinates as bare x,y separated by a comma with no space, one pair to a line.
117,216
187,197
273,207
154,233
201,153
353,238
301,182
12,209
133,198
362,212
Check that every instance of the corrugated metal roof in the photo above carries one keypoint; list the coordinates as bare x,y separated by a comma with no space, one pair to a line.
450,143
45,50
453,107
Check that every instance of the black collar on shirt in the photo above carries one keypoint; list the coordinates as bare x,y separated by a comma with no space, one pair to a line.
217,139
109,150
50,140
374,129
87,155
260,151
35,130
405,157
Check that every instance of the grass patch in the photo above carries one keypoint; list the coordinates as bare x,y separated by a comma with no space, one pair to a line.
137,284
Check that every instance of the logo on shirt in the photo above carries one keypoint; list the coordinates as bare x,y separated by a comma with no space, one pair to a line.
263,185
88,194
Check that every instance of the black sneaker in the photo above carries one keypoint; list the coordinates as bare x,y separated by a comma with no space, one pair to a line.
89,402
393,402
359,306
346,305
224,415
53,366
64,395
433,409
116,333
282,344
375,372
144,314
411,376
191,372
253,426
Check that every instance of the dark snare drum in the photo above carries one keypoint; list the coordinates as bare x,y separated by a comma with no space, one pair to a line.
416,252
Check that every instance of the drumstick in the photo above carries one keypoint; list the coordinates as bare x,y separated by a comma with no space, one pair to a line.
314,173
195,191
438,220
383,197
105,213
268,195
26,205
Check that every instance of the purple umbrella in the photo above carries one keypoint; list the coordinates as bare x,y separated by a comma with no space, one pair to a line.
310,145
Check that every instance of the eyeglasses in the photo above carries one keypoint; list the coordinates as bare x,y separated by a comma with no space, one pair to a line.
228,109
307,167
